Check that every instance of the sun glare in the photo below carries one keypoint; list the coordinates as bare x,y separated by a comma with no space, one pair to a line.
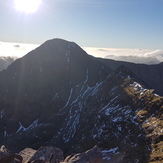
27,6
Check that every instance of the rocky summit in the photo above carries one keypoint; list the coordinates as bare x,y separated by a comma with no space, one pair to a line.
58,95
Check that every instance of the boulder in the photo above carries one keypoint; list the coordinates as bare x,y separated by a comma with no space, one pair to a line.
93,155
5,155
17,159
47,154
26,154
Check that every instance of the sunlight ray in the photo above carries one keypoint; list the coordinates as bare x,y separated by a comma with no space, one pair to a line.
27,6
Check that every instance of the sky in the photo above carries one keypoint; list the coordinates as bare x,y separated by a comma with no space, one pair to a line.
112,24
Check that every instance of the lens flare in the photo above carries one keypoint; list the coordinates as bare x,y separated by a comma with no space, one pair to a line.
27,6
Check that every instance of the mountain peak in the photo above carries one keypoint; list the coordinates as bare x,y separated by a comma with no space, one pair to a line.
60,43
59,40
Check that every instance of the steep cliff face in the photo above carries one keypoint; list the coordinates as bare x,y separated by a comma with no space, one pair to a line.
58,95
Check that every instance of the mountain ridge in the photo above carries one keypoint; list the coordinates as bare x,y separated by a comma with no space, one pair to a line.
150,75
59,95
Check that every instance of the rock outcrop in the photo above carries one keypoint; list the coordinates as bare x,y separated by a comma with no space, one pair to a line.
5,155
93,155
47,154
27,153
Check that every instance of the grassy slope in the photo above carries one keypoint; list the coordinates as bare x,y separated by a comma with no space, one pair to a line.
150,117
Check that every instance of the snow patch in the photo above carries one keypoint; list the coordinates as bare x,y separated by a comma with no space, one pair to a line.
55,96
69,98
86,76
107,153
5,133
67,56
107,108
2,113
41,69
117,119
5,95
112,150
71,126
120,128
138,88
114,88
31,126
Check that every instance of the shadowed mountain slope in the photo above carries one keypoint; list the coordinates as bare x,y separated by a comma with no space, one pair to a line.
59,95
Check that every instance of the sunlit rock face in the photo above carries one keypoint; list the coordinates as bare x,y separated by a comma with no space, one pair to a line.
59,95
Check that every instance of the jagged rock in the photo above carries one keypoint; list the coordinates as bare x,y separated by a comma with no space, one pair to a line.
38,161
47,154
4,149
5,155
26,154
93,155
17,159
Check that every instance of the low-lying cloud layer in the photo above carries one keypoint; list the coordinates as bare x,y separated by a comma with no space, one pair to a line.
6,61
146,56
11,51
15,49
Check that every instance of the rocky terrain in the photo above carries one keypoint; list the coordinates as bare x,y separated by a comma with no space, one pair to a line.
49,154
150,75
57,95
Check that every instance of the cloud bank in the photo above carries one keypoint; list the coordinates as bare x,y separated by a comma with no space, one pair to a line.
145,56
6,61
9,52
15,49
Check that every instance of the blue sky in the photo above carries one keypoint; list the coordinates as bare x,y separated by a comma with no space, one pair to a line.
89,23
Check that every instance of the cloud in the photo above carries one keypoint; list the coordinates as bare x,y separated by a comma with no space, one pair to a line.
6,61
17,46
9,52
15,49
146,56
137,59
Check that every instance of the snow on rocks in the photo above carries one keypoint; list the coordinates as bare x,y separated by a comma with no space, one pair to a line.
31,126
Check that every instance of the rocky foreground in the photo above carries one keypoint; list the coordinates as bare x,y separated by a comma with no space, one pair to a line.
49,154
